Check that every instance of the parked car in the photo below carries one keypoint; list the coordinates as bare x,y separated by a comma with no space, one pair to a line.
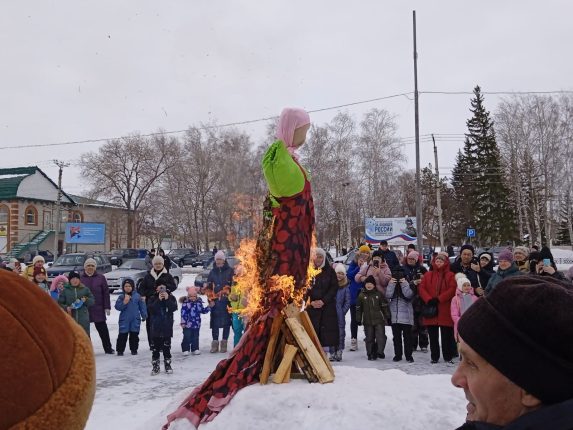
183,256
68,262
201,278
135,270
118,256
204,259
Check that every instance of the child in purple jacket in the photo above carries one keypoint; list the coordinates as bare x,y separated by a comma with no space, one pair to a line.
191,309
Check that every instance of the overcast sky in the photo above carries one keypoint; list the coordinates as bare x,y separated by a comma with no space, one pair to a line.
85,70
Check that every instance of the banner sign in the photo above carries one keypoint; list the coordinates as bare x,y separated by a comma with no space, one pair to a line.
396,231
86,233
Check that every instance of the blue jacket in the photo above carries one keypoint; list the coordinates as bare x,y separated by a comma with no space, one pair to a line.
161,312
342,304
191,312
130,315
354,287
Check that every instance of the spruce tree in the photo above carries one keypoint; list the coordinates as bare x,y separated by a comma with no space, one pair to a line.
488,194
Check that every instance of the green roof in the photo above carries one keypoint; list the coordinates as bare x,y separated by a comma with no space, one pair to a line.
10,180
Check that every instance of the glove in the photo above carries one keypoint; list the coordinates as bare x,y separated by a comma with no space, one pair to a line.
433,302
107,312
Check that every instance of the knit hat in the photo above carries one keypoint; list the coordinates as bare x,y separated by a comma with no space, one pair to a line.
38,258
127,281
39,270
340,268
365,249
461,281
73,274
90,262
157,259
370,280
46,361
485,255
521,249
413,254
527,320
467,246
505,255
220,255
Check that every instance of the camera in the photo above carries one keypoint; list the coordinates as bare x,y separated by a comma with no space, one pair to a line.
475,260
398,274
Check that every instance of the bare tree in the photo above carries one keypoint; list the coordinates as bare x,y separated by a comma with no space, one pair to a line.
125,170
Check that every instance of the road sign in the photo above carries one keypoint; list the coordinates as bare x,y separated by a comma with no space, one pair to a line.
471,232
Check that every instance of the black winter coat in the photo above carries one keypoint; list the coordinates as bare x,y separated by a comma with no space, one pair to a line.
485,272
554,417
457,267
161,312
412,273
149,284
325,319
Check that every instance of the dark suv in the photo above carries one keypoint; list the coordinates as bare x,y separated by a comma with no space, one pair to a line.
183,256
68,262
118,256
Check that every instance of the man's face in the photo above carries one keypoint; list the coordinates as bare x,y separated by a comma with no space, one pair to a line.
219,262
90,269
492,398
467,256
383,246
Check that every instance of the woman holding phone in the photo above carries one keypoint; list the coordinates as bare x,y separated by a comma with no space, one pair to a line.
542,264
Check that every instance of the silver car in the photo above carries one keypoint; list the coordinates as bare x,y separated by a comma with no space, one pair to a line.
136,271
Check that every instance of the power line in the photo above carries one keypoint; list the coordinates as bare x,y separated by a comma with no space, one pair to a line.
206,127
497,92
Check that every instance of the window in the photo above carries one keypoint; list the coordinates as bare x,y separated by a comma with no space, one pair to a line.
77,216
31,216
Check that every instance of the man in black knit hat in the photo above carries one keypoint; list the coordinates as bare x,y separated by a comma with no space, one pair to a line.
516,369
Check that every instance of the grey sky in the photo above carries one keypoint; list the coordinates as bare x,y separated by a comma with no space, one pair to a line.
82,70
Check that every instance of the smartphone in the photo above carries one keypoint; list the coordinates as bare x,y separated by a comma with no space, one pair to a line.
162,288
376,263
546,262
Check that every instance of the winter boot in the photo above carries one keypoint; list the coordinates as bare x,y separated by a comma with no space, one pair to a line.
338,355
223,346
167,364
155,370
353,345
332,356
214,346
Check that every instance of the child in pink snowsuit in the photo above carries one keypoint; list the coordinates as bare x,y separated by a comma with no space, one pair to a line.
463,299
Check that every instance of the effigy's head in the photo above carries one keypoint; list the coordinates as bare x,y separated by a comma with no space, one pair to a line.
293,125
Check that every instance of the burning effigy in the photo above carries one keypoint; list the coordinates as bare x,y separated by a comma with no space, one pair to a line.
279,338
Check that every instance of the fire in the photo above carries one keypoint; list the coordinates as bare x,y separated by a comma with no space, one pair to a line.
248,281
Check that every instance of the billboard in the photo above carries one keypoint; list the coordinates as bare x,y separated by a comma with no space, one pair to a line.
397,231
86,233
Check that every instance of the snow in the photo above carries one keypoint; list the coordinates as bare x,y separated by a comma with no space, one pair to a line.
365,394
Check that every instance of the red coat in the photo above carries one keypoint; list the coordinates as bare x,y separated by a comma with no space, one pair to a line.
441,284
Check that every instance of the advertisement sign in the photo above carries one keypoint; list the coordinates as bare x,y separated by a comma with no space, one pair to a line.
86,233
397,231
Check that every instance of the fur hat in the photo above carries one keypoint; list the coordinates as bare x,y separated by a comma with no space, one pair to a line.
220,255
157,259
38,258
340,268
364,249
370,280
467,246
57,280
505,255
47,361
527,319
461,281
90,262
521,249
73,274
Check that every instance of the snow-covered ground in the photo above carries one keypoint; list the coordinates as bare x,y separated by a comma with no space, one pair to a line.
365,394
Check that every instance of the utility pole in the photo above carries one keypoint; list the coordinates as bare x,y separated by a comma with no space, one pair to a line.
438,197
57,221
419,232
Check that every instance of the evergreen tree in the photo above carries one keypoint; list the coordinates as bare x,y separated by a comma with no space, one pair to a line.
481,195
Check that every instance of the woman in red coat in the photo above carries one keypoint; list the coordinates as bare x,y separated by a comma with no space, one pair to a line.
438,287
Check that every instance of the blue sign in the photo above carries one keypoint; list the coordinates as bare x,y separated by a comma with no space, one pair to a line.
471,232
86,233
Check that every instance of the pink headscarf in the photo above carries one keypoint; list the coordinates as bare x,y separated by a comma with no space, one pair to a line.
289,121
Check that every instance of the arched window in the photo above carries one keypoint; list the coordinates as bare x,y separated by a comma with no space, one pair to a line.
31,216
77,216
